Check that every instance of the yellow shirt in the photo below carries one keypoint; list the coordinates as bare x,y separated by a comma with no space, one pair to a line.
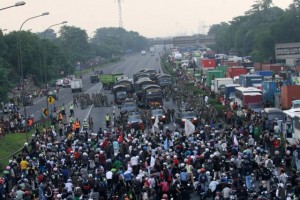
24,164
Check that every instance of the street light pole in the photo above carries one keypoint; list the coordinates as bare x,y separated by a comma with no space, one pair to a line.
45,63
20,3
20,63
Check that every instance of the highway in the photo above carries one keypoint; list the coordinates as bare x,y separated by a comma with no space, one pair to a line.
128,65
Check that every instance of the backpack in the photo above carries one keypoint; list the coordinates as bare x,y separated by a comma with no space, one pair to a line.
102,186
203,178
269,164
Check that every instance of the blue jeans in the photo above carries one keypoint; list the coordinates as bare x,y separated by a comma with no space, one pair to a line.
248,182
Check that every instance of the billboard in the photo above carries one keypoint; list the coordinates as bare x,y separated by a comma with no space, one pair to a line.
287,51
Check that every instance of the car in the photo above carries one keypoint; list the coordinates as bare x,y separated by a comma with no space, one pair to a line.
160,113
128,106
9,108
143,52
59,83
53,93
28,100
134,121
188,114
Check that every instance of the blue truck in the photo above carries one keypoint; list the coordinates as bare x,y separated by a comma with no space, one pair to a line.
230,90
248,80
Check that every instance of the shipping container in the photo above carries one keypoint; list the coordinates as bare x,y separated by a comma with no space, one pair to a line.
257,66
231,72
206,63
297,68
264,73
277,100
210,75
230,63
230,90
269,88
276,68
222,68
253,101
250,79
288,94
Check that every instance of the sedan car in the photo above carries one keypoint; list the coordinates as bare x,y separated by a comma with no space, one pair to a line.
188,114
160,113
134,121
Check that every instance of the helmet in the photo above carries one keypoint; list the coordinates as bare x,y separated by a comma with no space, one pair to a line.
202,170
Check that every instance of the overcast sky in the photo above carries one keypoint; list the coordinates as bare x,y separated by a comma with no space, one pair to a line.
151,18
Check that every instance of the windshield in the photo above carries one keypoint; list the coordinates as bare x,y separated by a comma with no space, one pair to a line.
127,106
134,118
157,112
296,105
153,94
121,94
188,115
274,116
254,105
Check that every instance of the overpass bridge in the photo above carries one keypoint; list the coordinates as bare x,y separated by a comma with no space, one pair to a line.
184,41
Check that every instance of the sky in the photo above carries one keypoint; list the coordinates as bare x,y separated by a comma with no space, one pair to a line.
150,18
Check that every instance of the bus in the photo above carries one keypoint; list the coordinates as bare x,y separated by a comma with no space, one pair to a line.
291,126
240,92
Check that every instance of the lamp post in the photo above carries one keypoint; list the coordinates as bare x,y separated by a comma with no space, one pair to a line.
45,63
20,3
20,63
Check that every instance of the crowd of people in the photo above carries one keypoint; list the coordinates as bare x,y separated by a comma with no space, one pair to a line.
228,156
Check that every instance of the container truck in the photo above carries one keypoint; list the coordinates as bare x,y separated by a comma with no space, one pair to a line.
76,85
211,75
288,94
230,90
250,79
269,89
264,73
108,80
206,63
231,72
220,83
253,101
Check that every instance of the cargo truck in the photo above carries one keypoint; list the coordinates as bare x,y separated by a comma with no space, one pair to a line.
232,72
218,85
211,75
230,90
289,93
109,80
250,79
76,85
152,49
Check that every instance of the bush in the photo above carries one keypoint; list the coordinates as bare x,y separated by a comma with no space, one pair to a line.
213,102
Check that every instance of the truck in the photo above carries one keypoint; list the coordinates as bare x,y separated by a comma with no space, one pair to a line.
206,63
230,91
250,79
152,49
220,83
94,78
109,80
269,88
76,85
288,94
231,72
211,75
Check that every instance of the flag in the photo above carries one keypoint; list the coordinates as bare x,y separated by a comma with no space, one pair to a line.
166,144
235,141
152,161
156,122
189,127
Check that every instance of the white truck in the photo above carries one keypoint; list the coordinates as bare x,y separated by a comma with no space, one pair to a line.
76,85
219,84
152,49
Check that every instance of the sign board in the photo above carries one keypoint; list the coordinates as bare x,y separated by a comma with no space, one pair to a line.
45,112
51,100
287,51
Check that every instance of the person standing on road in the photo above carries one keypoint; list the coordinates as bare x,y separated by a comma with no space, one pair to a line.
71,109
107,120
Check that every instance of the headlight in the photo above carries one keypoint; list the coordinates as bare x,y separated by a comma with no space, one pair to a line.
163,116
183,120
152,117
195,118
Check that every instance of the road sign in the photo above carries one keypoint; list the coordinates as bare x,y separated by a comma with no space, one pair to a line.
51,100
46,112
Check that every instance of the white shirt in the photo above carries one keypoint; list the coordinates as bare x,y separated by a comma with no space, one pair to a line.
109,175
134,160
69,186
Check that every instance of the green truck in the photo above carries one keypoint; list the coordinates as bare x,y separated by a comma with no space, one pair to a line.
109,80
212,74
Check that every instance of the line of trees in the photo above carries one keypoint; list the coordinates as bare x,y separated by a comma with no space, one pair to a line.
256,33
60,53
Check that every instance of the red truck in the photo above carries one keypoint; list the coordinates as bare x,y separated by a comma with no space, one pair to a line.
206,63
253,101
231,72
